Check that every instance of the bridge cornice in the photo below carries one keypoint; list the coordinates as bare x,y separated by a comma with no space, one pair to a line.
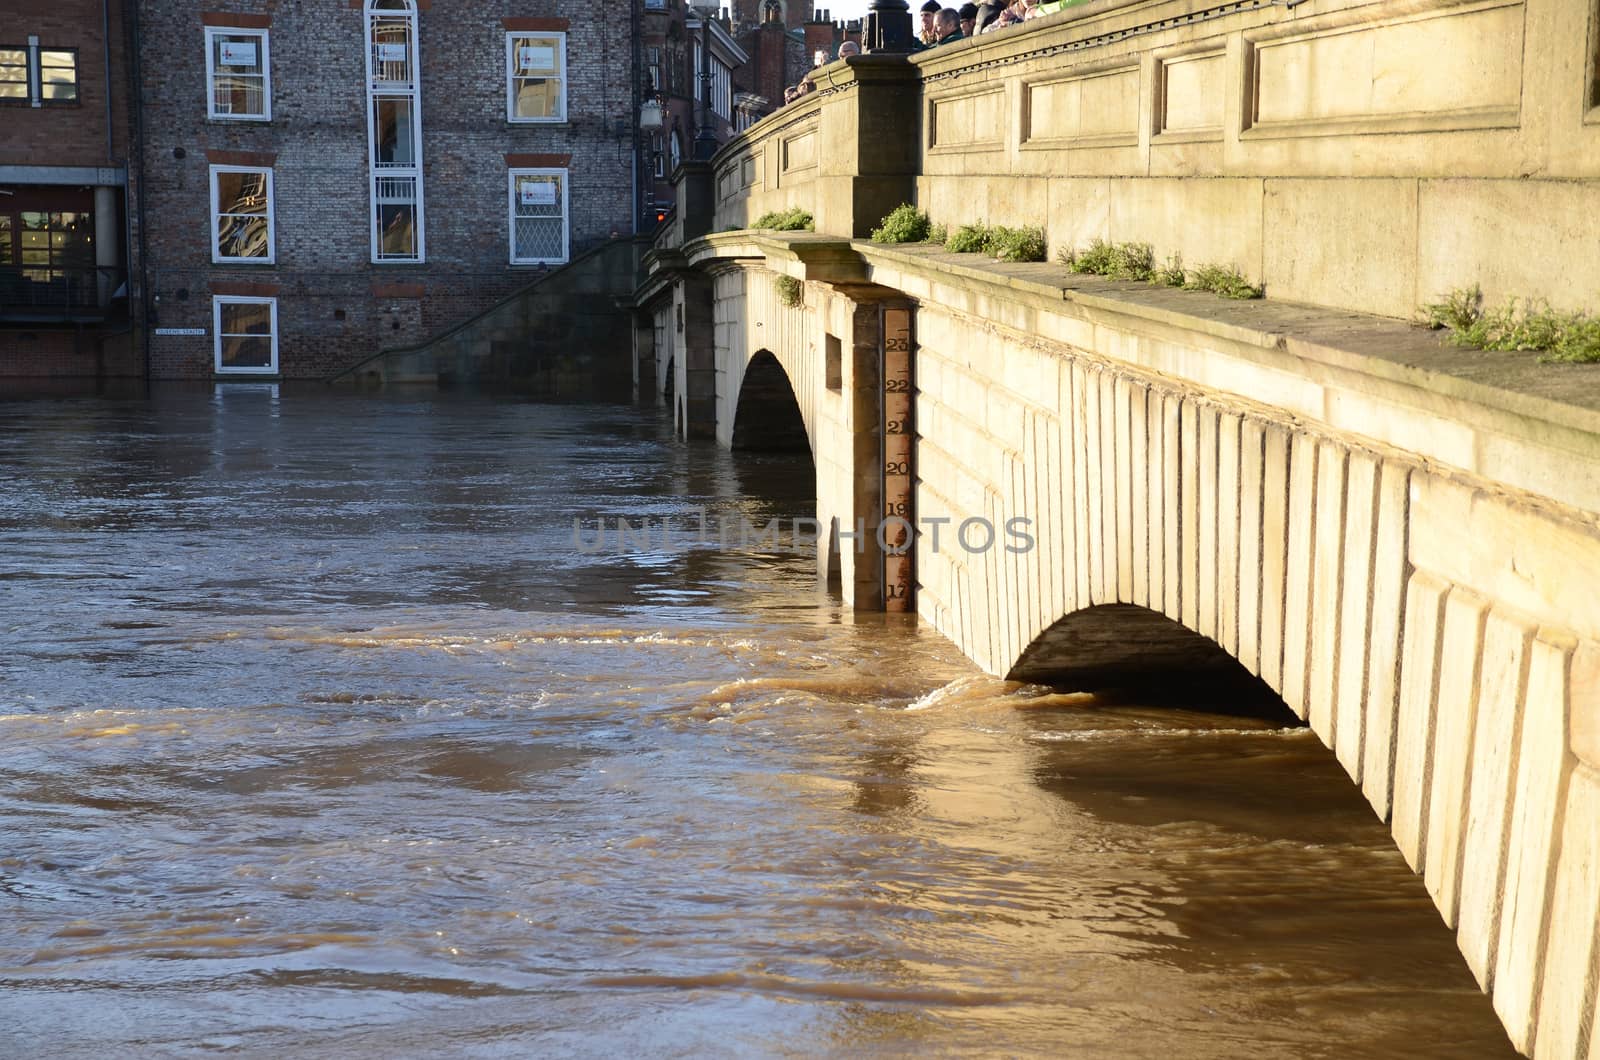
806,256
662,268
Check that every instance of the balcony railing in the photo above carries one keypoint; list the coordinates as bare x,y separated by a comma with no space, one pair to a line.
41,294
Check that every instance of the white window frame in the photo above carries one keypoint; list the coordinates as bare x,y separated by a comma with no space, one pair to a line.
220,300
213,32
512,36
216,219
566,214
378,87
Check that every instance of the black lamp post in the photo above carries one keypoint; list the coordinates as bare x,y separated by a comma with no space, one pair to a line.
888,26
705,132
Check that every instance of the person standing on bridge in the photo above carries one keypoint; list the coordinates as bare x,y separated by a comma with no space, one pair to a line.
928,36
969,19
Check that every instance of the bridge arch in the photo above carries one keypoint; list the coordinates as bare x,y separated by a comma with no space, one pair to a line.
1134,649
767,415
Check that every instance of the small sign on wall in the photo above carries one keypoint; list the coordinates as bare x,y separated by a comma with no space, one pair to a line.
538,192
536,57
238,53
181,331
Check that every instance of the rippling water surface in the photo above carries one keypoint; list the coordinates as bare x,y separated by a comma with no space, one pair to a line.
318,737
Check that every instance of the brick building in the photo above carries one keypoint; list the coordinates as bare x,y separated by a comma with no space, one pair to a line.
671,36
65,136
330,178
783,41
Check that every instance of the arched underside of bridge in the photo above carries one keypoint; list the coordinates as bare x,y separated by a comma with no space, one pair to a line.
1130,649
767,417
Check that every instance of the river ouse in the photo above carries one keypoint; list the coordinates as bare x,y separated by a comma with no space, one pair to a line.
1035,583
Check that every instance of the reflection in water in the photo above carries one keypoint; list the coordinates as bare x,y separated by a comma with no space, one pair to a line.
321,738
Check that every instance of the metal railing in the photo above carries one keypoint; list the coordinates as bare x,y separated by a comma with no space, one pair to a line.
36,292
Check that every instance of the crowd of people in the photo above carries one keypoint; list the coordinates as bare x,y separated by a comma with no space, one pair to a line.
946,25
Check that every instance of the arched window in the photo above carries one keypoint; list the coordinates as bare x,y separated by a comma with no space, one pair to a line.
394,130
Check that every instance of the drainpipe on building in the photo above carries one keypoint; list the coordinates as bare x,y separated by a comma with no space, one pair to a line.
141,317
105,46
635,105
107,250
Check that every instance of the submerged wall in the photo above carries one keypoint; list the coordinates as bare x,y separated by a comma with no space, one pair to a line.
567,334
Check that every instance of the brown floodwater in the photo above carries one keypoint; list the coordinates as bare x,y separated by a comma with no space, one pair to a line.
319,736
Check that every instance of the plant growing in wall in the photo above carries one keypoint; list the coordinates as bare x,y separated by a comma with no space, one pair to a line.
1224,280
791,292
1016,244
793,219
1119,261
1537,328
903,224
1006,244
1137,261
1171,274
968,239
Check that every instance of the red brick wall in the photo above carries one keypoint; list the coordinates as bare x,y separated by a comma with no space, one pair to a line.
41,351
768,72
747,14
67,134
819,37
329,317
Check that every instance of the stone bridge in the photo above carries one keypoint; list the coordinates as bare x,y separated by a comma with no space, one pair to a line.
1399,537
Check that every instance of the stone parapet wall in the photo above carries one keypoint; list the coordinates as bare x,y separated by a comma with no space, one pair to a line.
1366,156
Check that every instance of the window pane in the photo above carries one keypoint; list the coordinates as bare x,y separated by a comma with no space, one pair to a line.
391,49
236,54
241,236
13,73
539,238
536,56
397,230
8,254
57,240
58,75
538,98
246,318
539,195
241,352
392,126
242,192
240,94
